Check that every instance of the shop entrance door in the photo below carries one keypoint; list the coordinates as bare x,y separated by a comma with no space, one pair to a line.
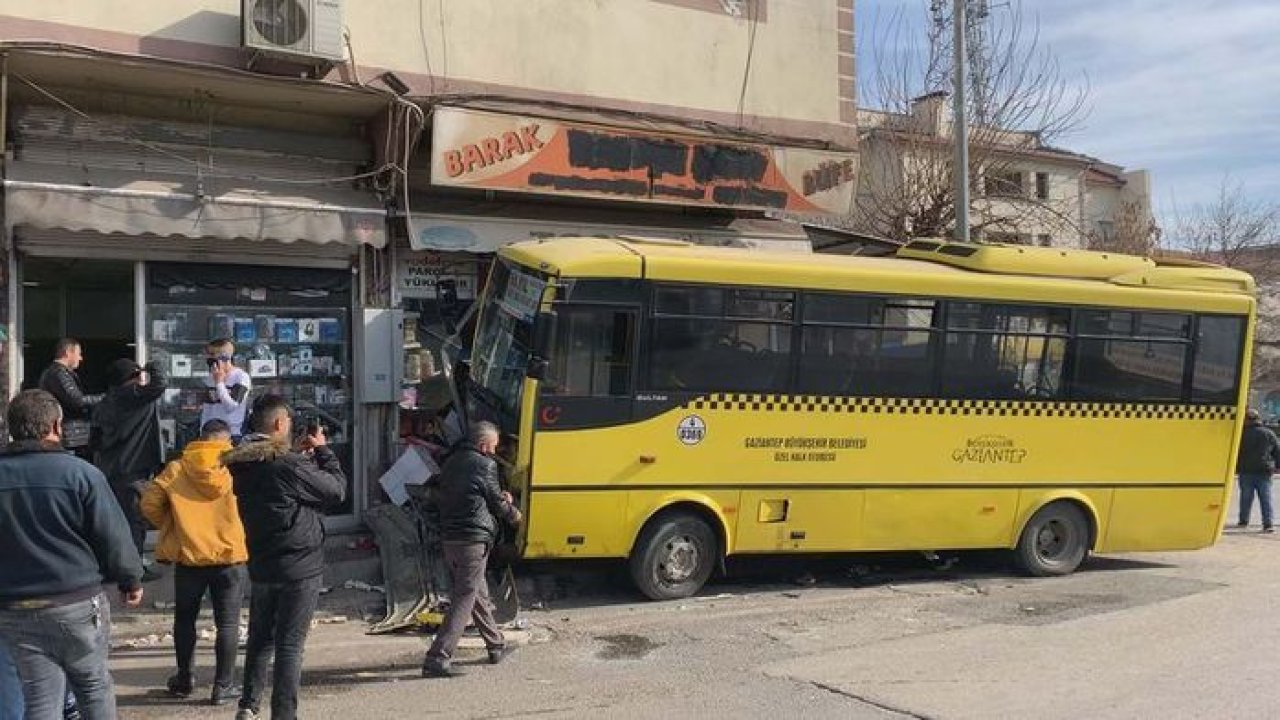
89,300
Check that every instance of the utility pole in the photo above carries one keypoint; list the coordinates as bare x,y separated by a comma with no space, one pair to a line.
960,125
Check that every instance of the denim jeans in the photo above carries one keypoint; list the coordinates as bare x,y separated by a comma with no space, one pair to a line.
225,586
279,619
10,685
1251,484
56,646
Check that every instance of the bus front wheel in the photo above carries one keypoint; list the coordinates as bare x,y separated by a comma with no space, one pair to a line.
673,557
1054,541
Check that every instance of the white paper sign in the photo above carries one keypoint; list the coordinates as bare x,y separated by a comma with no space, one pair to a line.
414,467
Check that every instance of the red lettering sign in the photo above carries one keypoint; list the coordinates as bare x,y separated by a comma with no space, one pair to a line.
492,150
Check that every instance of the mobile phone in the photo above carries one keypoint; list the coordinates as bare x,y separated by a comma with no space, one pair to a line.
211,362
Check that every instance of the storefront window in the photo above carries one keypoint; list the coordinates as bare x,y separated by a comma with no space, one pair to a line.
437,291
291,331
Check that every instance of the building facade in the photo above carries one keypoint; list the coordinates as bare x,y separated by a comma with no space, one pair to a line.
1022,190
325,182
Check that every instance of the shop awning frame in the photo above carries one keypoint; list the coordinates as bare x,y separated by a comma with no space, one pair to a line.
53,197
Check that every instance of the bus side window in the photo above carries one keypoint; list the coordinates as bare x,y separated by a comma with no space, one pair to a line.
591,353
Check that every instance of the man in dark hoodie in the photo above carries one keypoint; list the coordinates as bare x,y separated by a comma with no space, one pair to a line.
62,537
129,452
282,493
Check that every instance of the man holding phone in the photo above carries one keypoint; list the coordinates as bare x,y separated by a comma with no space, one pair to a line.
226,389
282,490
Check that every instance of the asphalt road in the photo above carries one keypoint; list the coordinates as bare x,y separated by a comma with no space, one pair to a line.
1177,635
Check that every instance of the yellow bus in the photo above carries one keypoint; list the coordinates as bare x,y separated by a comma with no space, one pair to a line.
676,404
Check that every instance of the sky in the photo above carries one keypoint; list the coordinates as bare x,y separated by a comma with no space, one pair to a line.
1188,89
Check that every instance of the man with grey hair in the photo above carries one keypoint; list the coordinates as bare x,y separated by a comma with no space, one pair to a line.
470,504
63,536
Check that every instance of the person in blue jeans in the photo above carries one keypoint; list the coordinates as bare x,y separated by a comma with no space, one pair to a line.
10,687
63,536
1259,456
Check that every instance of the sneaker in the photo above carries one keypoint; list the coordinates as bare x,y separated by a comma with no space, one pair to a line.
500,653
1268,529
432,669
223,694
1243,523
246,714
181,685
150,575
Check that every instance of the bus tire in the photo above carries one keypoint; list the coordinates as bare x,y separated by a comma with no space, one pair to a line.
673,557
1054,541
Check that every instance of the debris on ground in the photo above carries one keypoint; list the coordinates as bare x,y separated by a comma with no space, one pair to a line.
721,596
148,641
791,594
363,586
330,620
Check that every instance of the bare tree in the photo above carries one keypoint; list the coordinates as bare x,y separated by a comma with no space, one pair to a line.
1240,231
1018,99
1233,229
1133,232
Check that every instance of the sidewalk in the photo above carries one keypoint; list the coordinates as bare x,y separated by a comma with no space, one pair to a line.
339,656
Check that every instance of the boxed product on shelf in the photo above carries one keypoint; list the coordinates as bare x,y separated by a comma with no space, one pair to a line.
286,330
309,330
181,365
330,331
221,325
262,367
265,326
245,330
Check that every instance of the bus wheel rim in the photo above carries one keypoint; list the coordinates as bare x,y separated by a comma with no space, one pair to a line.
1053,540
679,560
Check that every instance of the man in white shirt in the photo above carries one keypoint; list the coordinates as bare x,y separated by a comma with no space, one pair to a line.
227,388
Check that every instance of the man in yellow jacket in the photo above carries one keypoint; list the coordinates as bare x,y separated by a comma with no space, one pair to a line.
192,506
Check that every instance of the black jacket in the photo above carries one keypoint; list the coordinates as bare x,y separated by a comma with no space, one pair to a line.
63,383
61,530
282,496
468,498
127,429
1259,450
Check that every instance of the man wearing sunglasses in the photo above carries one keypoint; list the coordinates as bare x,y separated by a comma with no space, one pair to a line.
226,388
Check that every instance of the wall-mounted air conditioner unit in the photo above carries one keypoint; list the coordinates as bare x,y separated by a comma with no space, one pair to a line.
305,30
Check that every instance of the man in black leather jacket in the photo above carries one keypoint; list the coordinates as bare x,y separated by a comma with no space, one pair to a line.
470,504
61,381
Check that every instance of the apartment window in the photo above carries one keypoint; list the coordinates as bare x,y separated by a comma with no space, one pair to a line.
1044,240
1042,185
1004,183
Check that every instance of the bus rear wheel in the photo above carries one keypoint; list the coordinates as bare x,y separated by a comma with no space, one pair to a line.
673,557
1054,541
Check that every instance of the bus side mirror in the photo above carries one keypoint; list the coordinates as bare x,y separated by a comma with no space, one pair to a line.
544,333
537,369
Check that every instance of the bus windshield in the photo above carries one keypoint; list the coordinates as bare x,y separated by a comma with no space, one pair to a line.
504,337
